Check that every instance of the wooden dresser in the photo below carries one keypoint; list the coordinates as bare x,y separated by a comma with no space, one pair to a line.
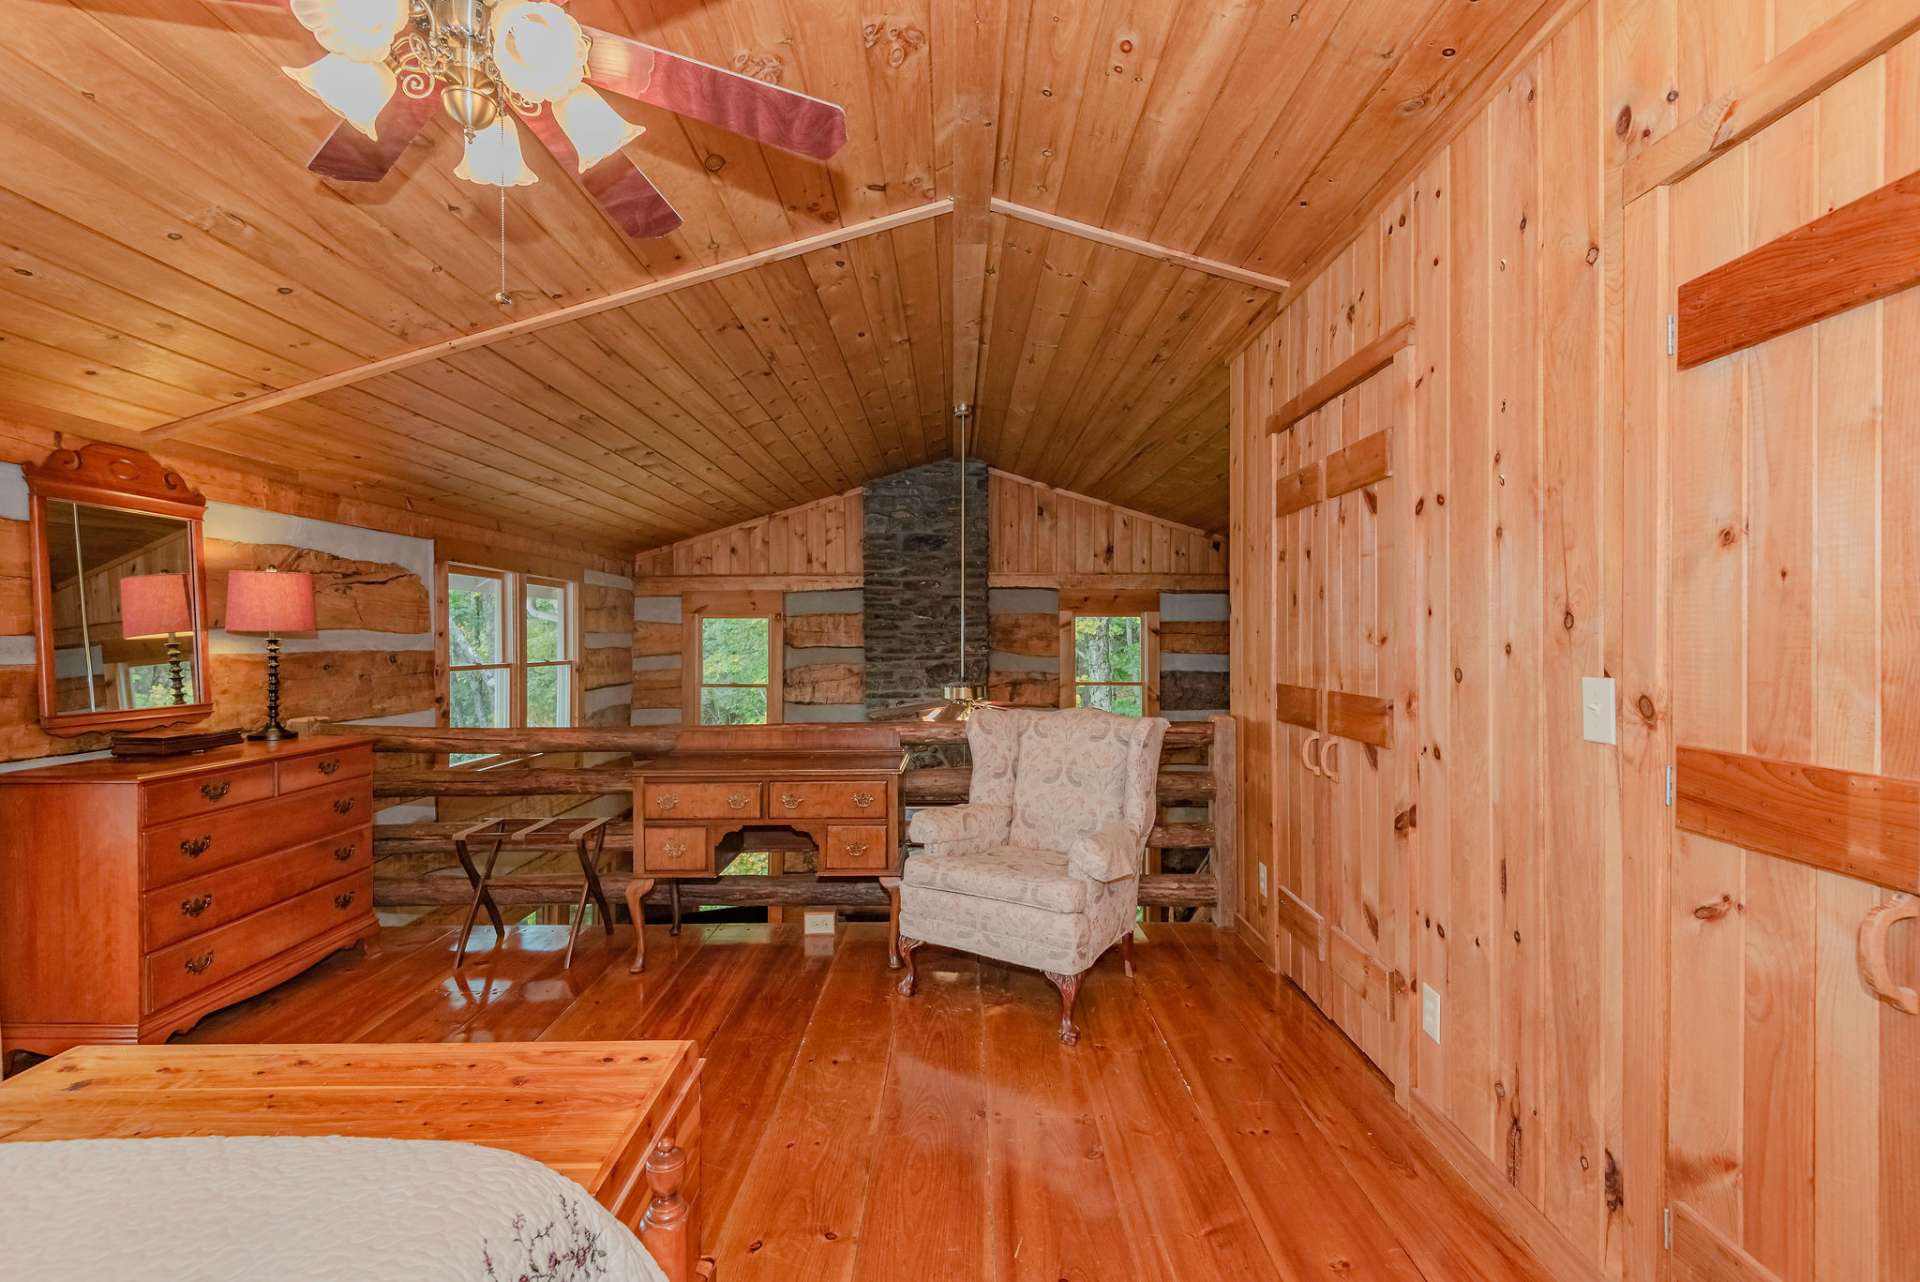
137,896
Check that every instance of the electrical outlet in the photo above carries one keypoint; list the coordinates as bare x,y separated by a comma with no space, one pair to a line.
1596,709
1430,1011
1263,878
819,923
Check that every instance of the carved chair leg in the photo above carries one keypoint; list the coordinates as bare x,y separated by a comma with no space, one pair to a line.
1126,953
892,886
1069,986
905,952
637,890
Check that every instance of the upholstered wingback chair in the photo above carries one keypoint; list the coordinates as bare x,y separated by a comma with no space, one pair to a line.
1041,867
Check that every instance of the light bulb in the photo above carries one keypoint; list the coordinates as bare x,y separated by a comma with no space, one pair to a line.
538,49
362,30
493,158
594,128
356,91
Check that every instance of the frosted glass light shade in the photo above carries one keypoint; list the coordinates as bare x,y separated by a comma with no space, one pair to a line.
594,128
493,158
356,91
267,601
538,49
154,605
362,30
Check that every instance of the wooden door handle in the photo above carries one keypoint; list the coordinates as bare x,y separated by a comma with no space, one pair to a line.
1306,753
1327,759
1875,969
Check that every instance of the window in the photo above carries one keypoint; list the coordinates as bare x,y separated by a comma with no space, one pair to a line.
1108,655
512,649
733,651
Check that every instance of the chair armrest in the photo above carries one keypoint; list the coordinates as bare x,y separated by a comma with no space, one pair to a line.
1111,853
959,823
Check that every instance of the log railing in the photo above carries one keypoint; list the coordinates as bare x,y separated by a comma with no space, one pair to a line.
1184,781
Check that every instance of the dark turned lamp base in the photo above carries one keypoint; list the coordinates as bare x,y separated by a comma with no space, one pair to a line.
273,731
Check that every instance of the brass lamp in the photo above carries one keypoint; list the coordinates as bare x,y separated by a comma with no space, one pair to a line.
270,602
155,605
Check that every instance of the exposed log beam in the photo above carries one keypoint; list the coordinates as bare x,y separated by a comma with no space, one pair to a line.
1157,890
1814,63
437,838
642,739
1134,245
533,324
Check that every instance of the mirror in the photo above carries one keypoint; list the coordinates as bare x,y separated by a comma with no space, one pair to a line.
119,586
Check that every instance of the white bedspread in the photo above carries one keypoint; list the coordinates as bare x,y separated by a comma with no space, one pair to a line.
277,1209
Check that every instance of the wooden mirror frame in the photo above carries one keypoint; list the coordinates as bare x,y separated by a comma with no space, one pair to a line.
113,476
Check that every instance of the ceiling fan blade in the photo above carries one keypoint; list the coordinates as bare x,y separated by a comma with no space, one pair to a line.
351,156
767,113
616,183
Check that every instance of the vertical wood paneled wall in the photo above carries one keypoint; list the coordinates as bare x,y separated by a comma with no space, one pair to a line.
1043,537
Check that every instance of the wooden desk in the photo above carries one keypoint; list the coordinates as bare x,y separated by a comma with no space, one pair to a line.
621,1119
686,803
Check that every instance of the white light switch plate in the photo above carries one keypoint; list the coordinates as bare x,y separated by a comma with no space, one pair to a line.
820,923
1263,878
1596,709
1430,1011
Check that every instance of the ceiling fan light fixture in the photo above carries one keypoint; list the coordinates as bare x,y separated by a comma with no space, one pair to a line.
493,158
362,30
539,49
594,128
357,92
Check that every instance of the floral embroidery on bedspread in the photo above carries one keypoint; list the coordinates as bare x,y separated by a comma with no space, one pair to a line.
561,1250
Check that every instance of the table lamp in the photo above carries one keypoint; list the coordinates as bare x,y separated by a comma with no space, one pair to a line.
267,601
155,605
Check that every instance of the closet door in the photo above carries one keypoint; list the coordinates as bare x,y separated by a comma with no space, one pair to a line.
1303,831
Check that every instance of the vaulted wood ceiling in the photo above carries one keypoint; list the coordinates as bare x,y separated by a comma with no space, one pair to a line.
165,252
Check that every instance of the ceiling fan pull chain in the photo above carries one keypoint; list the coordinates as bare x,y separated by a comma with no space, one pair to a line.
503,298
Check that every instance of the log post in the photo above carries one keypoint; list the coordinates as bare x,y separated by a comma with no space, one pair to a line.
1225,760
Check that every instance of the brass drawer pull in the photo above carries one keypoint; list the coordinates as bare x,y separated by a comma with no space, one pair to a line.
856,848
863,799
197,905
790,801
674,849
215,791
194,847
343,805
736,802
200,965
344,901
666,801
328,766
343,853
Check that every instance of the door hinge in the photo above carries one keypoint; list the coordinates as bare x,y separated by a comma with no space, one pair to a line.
1669,785
1673,334
1666,1227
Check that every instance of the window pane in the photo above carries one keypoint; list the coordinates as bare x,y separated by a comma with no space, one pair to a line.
733,652
1126,700
550,695
150,685
546,624
733,706
1107,647
473,621
478,698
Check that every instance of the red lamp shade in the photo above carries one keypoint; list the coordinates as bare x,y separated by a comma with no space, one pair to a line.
266,601
154,605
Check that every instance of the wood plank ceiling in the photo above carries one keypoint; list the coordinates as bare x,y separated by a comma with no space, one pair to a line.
165,251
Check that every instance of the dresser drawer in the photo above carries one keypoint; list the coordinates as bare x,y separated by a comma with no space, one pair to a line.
856,848
827,800
323,768
189,908
206,794
679,850
193,847
218,955
701,800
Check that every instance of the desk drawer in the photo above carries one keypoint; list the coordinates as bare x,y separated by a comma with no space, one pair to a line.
323,768
193,847
218,955
677,850
189,908
856,848
214,791
852,800
672,801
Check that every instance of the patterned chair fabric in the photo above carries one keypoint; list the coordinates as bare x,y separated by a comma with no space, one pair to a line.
1041,867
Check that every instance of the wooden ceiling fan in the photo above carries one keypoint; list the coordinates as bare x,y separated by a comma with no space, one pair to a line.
390,63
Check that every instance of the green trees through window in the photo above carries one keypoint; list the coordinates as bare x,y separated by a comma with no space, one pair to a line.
511,650
735,663
1109,663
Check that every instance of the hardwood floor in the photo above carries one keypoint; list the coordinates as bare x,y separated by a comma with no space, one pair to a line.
1210,1124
